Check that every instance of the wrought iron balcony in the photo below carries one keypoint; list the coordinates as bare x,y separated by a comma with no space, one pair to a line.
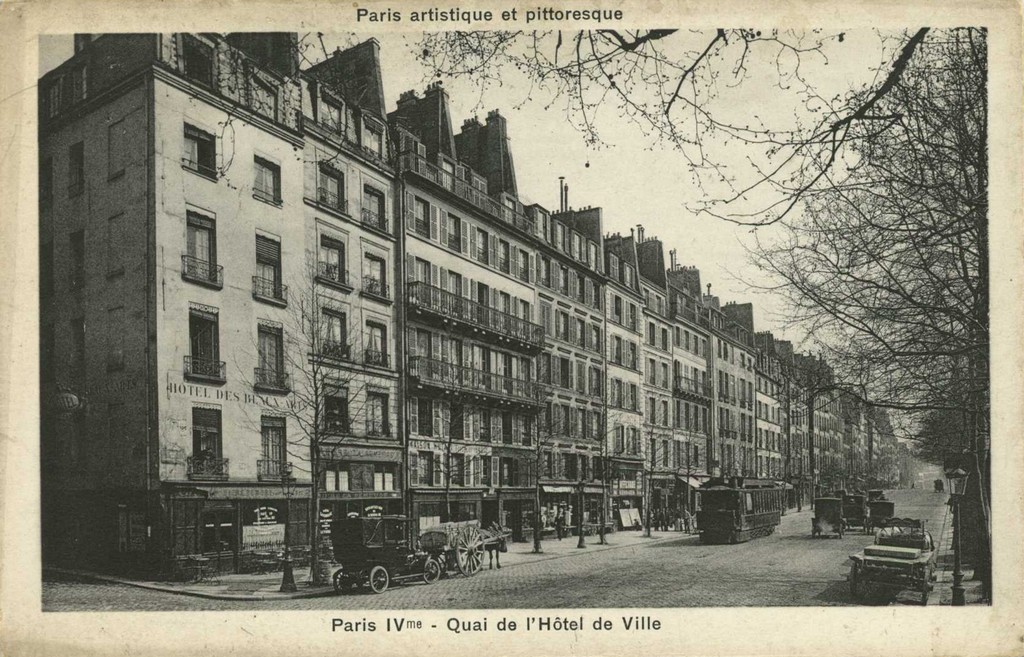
209,468
201,271
451,306
333,200
376,357
337,425
270,379
266,289
412,162
378,428
273,470
331,273
204,369
336,350
731,434
420,224
449,375
374,219
376,287
685,385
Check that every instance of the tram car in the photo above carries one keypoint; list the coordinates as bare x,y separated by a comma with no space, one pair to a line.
738,509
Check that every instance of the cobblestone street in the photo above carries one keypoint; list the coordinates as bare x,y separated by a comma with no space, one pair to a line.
788,568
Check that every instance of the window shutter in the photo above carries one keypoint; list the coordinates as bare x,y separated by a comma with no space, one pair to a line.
414,468
434,278
446,418
414,418
410,269
530,268
437,478
267,249
464,237
495,471
410,211
444,279
444,227
433,223
494,251
413,347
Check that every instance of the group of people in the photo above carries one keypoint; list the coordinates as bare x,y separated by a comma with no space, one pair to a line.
669,520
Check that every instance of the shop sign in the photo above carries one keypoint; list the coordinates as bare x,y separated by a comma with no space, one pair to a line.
265,515
373,511
326,516
200,392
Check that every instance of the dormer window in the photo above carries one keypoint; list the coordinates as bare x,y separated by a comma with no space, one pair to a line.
264,99
198,60
330,114
373,138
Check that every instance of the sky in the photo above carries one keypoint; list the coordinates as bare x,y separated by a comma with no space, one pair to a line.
634,180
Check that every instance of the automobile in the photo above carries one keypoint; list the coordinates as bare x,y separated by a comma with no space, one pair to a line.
828,517
855,511
376,552
879,512
902,557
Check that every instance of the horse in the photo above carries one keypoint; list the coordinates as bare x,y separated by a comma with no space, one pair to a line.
497,546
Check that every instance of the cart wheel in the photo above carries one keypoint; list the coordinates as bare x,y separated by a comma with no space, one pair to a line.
431,571
469,551
379,579
854,581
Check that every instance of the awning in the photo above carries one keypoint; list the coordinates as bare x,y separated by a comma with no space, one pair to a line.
692,482
557,489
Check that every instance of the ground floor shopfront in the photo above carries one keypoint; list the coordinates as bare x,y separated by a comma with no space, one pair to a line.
564,497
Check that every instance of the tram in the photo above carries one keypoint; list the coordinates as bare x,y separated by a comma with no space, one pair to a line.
738,509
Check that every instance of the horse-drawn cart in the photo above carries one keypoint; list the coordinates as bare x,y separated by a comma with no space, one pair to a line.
459,546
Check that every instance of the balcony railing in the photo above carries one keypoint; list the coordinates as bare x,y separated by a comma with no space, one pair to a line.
421,166
691,386
338,425
336,350
269,290
333,200
731,434
202,272
376,287
420,224
374,219
332,273
207,467
270,379
456,376
203,168
378,428
376,357
205,369
273,470
453,306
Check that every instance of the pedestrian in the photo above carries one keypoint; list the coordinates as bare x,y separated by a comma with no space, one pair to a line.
560,523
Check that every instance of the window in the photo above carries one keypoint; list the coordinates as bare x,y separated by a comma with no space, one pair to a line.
77,271
454,237
332,260
383,477
331,189
270,372
330,114
335,340
115,339
373,208
53,98
78,84
421,217
117,145
198,60
206,433
200,261
375,276
267,185
264,99
617,309
373,138
115,244
504,264
377,414
273,433
482,246
267,282
336,409
425,469
376,345
337,477
76,169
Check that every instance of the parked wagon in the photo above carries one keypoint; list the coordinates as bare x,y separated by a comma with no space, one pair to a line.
828,517
903,557
459,546
855,511
880,512
375,552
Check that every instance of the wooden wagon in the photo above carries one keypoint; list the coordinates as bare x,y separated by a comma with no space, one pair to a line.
459,546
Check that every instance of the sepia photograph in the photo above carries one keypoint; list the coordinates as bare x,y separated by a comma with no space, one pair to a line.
583,328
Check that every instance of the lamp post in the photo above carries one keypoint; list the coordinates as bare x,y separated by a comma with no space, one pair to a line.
287,572
957,487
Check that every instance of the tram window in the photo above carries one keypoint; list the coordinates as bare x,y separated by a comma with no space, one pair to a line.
750,502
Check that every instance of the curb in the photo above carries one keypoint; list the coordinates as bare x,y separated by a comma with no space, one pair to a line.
547,556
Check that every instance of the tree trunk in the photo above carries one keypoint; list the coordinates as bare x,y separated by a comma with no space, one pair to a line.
314,519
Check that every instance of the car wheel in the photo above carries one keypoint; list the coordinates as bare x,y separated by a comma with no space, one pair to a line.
341,582
379,579
431,571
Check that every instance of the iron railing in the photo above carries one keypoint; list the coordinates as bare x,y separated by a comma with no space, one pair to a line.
204,368
464,190
273,470
270,379
336,350
453,306
332,273
376,287
374,219
207,467
378,428
467,378
689,385
376,357
333,200
267,288
202,271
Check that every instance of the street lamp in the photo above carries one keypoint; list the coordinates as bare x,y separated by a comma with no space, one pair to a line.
957,487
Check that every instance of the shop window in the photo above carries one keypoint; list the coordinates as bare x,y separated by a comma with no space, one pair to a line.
219,531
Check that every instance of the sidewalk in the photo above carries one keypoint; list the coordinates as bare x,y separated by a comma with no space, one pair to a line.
942,594
266,587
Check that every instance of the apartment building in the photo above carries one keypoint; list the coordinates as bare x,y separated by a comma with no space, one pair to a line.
570,295
768,410
623,308
471,328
